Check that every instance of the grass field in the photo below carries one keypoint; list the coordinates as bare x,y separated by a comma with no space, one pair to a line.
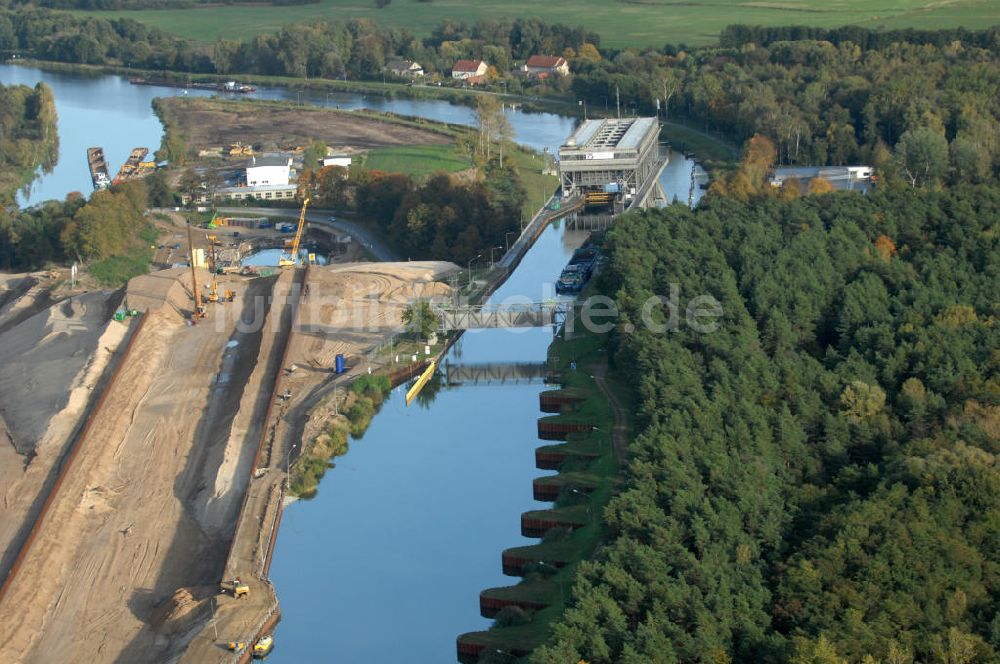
620,24
417,160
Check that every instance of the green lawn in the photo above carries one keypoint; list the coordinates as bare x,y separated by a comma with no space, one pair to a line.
620,24
417,160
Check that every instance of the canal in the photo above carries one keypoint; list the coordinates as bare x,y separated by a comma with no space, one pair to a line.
386,562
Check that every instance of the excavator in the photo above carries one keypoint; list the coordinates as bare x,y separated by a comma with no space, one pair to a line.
291,258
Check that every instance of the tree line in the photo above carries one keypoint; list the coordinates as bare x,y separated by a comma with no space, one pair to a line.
818,480
28,136
75,229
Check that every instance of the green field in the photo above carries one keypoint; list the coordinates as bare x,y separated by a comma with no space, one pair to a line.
620,24
417,160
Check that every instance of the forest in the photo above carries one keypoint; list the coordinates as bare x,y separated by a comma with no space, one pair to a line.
817,480
28,136
442,218
109,224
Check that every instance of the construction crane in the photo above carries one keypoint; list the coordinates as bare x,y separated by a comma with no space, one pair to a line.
289,259
199,308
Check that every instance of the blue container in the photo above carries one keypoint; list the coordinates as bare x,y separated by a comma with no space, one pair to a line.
339,364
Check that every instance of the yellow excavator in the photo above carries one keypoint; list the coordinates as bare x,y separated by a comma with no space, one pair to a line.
291,258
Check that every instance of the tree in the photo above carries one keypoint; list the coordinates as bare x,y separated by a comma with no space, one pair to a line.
420,318
922,155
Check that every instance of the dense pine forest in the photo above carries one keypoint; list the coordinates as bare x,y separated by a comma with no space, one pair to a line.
817,480
28,137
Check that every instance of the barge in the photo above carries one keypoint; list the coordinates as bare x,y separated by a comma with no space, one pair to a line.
579,270
98,168
228,86
134,167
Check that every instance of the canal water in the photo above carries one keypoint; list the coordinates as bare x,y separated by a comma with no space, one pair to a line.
269,257
386,562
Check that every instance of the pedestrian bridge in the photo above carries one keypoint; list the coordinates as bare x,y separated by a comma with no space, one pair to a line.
492,373
487,316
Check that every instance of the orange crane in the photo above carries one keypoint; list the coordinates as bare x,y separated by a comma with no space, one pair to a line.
289,259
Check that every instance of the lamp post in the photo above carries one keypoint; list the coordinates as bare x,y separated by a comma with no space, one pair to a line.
470,269
506,238
288,460
555,570
586,497
492,249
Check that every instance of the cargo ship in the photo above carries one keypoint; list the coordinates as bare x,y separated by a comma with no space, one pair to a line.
134,167
228,86
579,270
98,168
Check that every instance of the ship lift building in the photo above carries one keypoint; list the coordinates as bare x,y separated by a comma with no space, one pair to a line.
614,162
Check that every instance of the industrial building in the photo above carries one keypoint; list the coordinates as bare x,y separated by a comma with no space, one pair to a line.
844,178
613,163
268,171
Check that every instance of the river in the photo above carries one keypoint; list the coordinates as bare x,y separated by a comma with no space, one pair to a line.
386,563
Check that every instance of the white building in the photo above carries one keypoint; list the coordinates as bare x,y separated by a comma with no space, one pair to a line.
848,178
268,171
342,160
466,69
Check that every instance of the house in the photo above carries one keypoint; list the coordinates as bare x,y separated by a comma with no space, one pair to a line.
847,178
543,66
466,69
342,160
404,69
270,170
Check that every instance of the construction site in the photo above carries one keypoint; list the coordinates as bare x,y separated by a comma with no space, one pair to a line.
148,432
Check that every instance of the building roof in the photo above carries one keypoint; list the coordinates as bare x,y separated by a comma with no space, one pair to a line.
545,61
468,65
611,133
268,160
402,65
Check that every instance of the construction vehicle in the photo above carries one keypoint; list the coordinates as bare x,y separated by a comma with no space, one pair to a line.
291,258
263,647
230,295
240,589
199,308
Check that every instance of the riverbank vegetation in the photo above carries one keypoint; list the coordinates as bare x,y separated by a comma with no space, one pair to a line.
28,136
816,480
109,232
354,412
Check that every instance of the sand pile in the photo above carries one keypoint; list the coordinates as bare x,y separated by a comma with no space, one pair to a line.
42,361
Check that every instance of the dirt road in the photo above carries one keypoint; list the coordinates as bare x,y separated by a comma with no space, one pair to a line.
131,523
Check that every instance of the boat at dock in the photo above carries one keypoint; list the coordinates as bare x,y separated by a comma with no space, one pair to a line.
134,167
579,270
228,86
98,168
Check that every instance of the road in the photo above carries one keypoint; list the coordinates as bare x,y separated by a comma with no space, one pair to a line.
322,217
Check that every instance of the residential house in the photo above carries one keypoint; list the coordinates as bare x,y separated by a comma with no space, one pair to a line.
469,69
543,66
404,69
